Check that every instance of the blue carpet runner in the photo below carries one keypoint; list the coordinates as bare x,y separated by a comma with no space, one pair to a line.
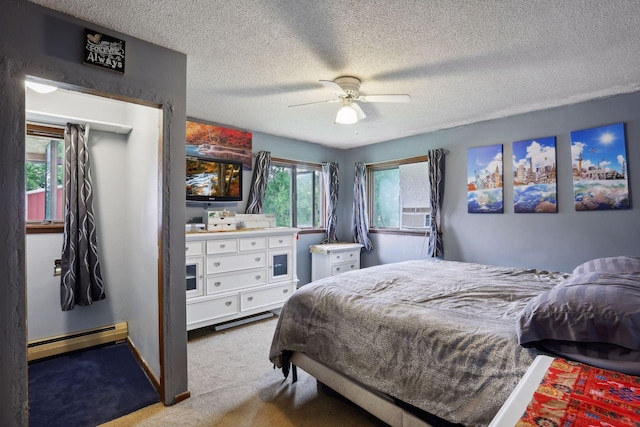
88,387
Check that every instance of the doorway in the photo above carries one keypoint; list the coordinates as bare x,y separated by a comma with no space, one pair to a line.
124,144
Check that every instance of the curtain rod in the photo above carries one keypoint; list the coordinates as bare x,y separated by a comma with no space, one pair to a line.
406,160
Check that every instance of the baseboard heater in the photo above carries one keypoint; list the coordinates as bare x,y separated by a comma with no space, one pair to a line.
53,346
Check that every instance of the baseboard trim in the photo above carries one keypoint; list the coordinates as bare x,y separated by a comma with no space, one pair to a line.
182,396
53,346
145,367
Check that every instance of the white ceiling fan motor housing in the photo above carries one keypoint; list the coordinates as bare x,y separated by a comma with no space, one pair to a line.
350,85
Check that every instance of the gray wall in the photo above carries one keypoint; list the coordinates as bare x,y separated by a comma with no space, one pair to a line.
38,42
557,241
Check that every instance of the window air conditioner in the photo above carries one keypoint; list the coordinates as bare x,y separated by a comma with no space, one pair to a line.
415,218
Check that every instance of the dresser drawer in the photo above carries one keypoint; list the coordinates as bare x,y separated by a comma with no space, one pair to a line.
344,267
227,282
253,244
195,248
265,297
280,241
222,246
224,263
345,256
212,309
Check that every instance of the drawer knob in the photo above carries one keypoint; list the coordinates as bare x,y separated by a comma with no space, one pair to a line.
352,266
216,264
216,284
338,257
351,255
257,258
284,291
258,277
280,241
337,268
250,299
228,303
222,245
253,243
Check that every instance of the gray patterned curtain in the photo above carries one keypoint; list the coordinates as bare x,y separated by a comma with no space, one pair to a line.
258,182
436,181
360,229
81,280
330,176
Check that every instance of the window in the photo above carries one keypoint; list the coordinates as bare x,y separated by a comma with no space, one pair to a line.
294,194
44,175
399,195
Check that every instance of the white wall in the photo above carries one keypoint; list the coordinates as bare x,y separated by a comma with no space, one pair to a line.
142,228
76,105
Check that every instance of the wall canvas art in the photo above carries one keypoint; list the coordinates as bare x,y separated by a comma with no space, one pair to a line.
534,176
219,142
485,179
599,161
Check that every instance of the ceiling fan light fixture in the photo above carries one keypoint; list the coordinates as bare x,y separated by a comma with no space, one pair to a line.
346,115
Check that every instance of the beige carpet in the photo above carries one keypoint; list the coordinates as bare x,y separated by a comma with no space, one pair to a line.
233,383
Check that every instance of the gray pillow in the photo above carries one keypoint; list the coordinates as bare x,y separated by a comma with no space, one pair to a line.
585,309
617,264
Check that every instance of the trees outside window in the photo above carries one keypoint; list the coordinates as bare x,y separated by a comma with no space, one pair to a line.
398,194
294,194
386,198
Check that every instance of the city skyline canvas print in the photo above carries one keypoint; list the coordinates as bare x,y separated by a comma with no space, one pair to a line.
599,166
534,176
485,179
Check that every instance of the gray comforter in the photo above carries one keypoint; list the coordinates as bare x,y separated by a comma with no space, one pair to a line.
439,335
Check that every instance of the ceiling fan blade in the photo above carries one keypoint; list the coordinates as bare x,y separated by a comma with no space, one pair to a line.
333,86
361,115
385,98
317,102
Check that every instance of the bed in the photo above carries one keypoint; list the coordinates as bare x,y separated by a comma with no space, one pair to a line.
425,342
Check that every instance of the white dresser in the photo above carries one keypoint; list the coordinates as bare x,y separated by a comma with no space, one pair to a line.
234,274
334,258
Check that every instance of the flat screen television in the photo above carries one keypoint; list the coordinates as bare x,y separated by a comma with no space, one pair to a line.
213,180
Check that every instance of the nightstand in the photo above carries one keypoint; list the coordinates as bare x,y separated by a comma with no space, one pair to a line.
334,258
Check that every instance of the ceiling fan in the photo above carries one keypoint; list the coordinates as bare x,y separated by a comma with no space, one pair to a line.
347,90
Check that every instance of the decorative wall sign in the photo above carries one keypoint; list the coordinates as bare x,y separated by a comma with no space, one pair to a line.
599,162
485,179
103,51
534,175
219,142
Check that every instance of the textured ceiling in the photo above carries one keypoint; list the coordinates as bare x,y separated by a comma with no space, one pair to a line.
462,61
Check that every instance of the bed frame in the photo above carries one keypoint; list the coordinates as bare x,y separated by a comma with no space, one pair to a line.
378,404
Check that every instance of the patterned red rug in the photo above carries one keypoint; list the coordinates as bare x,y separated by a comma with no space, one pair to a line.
576,395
